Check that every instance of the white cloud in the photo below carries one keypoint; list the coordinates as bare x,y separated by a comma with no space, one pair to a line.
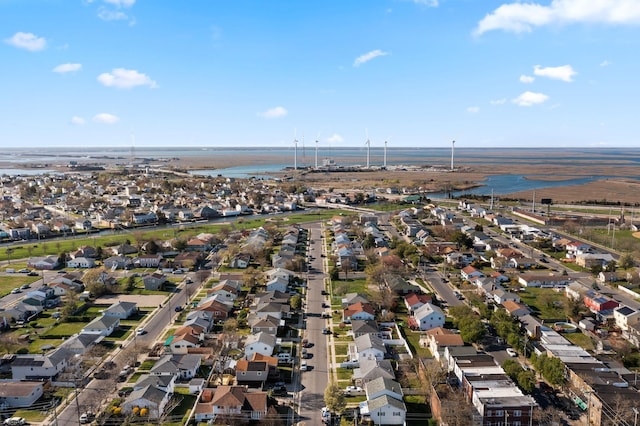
111,15
368,56
524,17
530,98
526,79
564,73
473,109
498,101
335,138
64,68
605,63
78,121
27,41
428,3
121,3
105,118
126,79
276,112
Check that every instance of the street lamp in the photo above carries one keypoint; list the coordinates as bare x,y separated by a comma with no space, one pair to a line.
635,416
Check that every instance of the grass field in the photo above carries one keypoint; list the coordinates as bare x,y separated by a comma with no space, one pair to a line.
546,303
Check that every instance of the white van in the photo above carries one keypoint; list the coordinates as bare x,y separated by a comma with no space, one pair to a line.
303,366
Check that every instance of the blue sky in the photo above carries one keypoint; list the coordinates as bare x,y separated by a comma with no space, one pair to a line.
485,73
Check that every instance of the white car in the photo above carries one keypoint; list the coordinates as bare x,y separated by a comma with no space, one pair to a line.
303,366
511,352
140,331
349,390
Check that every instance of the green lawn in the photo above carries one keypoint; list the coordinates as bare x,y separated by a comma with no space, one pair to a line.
64,329
545,303
350,285
580,339
9,282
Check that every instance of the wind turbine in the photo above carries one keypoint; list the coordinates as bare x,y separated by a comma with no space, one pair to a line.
317,138
453,145
384,163
368,143
295,151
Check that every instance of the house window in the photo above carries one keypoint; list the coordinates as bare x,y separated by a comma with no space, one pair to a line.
516,423
488,413
499,413
395,413
517,413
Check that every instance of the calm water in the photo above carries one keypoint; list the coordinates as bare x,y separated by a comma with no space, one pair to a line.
500,184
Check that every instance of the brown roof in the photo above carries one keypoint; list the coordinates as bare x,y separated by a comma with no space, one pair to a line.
256,401
17,389
229,396
437,331
271,360
449,340
359,307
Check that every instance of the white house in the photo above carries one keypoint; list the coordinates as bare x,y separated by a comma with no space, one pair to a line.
385,410
103,326
626,317
150,397
370,346
81,262
262,343
20,394
383,386
278,284
122,310
427,317
38,366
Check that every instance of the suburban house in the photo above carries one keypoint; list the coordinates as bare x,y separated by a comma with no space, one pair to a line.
103,326
370,369
413,301
267,324
362,327
252,372
438,339
598,303
182,366
542,280
180,343
81,262
370,346
80,343
154,281
278,284
122,310
150,397
165,383
385,410
516,309
353,298
219,310
148,261
20,394
40,366
426,317
262,343
626,317
358,311
383,386
469,273
238,401
47,263
240,261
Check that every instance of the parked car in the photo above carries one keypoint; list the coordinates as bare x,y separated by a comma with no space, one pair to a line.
303,366
305,343
33,274
326,331
25,286
352,390
324,292
125,392
87,418
140,331
178,308
511,352
16,291
15,421
24,271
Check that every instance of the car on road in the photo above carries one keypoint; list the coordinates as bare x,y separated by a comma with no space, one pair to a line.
24,271
326,415
324,292
326,331
140,331
511,352
303,366
16,291
178,308
33,274
101,375
25,286
125,392
279,391
305,343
